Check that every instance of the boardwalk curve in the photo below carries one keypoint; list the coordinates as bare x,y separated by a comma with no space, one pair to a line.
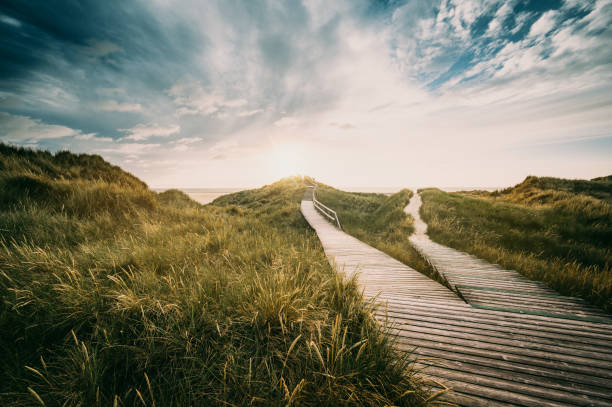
488,356
489,286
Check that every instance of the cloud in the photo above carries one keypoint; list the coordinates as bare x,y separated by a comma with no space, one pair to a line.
181,148
287,122
188,140
20,129
100,48
92,137
131,149
248,113
114,106
233,103
192,98
545,23
10,21
110,92
144,131
75,48
441,46
496,24
546,52
227,149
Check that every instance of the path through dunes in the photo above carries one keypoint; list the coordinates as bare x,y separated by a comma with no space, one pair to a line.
486,285
378,271
488,357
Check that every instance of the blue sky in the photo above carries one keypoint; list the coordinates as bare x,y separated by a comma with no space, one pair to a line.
356,93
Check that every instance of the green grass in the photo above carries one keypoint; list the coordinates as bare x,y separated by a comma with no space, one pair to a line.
551,230
115,295
380,221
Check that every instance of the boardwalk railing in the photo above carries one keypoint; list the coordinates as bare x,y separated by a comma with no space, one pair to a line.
324,210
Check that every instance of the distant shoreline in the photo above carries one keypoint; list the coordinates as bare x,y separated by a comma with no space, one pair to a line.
207,195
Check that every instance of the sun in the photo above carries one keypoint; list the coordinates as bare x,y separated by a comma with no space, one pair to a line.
286,159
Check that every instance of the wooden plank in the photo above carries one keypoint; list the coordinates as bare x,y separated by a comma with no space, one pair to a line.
578,316
505,391
559,343
488,290
509,345
496,295
502,353
555,339
601,327
587,328
527,389
504,366
546,382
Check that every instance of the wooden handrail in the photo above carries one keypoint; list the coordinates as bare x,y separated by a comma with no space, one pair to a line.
327,211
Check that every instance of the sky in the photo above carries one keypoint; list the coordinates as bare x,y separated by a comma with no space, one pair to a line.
240,93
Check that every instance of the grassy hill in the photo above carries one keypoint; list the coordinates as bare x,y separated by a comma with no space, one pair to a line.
80,185
115,295
553,230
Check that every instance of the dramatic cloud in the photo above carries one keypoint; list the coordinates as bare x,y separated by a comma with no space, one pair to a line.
187,140
99,49
355,92
9,20
192,98
131,149
18,129
92,137
114,106
144,131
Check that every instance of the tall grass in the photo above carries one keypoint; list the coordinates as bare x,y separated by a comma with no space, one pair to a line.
63,165
114,295
380,221
555,231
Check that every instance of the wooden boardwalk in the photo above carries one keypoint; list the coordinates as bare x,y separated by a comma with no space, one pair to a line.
488,357
489,286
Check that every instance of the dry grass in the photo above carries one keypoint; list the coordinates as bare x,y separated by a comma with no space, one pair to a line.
555,231
113,295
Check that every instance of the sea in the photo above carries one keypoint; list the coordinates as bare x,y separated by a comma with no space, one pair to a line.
207,195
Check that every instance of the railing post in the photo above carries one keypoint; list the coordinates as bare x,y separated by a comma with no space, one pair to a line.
324,209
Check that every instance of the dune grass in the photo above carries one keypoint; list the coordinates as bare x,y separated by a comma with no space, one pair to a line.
550,230
113,295
380,221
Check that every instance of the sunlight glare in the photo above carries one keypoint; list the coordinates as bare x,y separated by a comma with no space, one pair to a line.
286,159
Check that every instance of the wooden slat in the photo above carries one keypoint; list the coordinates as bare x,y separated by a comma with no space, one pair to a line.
555,395
504,366
585,328
555,339
523,354
545,382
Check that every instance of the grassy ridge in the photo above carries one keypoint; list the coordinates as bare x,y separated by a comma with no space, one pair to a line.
114,295
64,165
551,230
380,221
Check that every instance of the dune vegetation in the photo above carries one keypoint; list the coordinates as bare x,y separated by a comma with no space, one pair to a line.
113,295
380,221
552,230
